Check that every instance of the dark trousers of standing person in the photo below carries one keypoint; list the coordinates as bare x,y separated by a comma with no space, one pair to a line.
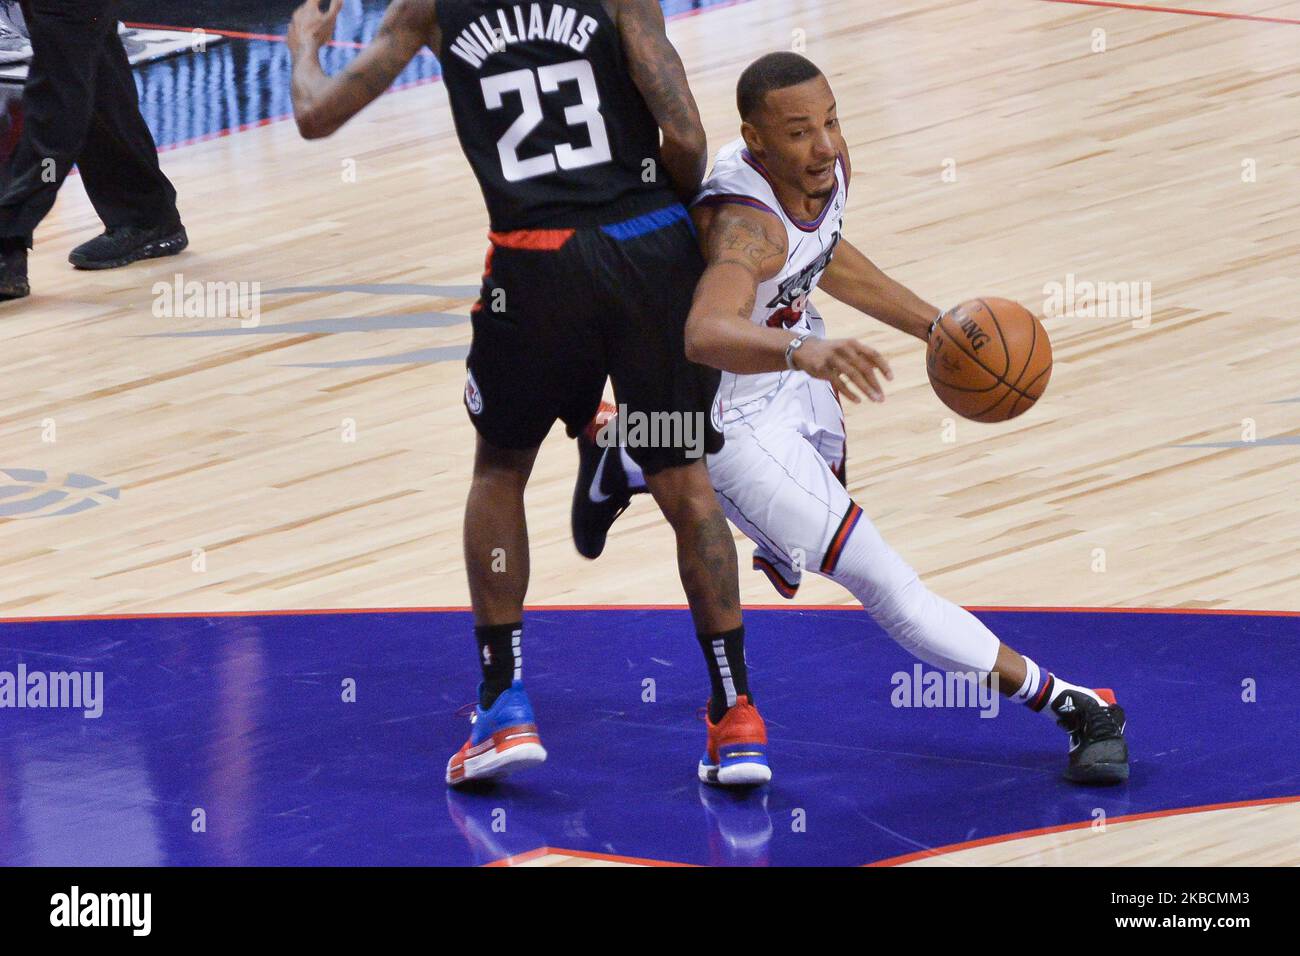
80,106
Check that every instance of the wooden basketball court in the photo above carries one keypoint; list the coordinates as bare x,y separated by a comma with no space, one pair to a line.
320,459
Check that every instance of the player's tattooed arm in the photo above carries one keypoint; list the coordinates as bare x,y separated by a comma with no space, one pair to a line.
321,103
855,280
744,247
657,71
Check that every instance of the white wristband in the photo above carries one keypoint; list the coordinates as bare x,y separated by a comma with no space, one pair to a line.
793,347
933,323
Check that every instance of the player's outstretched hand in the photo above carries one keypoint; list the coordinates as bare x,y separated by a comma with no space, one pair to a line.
847,364
313,23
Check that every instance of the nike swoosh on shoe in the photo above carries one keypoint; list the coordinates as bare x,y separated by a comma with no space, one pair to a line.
594,492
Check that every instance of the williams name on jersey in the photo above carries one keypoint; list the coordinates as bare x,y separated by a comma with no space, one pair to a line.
558,24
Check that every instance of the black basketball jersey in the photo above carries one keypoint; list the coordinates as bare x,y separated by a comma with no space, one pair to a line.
553,126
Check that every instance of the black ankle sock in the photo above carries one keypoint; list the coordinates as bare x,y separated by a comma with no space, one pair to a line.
725,655
498,655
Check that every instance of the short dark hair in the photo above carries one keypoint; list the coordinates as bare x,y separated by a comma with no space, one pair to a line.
772,71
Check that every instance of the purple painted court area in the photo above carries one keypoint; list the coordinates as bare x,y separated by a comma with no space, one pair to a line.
243,718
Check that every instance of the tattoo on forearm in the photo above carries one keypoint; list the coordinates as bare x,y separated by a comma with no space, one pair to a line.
374,78
407,26
658,73
747,309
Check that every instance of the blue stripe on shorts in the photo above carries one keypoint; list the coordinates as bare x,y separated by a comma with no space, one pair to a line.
650,222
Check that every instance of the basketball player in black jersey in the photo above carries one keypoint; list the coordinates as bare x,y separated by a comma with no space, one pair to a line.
560,107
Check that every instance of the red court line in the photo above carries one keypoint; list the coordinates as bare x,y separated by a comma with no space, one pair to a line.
1081,825
584,854
543,608
228,131
267,121
355,45
238,35
1206,611
1150,8
520,857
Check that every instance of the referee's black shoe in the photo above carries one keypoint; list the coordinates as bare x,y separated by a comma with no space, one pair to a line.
601,493
1098,751
13,270
122,245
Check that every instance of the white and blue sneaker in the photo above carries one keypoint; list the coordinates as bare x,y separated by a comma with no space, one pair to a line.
503,740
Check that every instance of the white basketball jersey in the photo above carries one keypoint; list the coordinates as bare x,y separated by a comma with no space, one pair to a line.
781,301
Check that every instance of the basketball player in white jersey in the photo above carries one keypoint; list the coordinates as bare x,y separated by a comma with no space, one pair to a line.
770,220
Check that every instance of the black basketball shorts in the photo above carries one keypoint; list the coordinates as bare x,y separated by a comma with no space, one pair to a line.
561,309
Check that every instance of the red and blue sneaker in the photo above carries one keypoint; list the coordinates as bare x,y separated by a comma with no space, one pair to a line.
503,740
737,748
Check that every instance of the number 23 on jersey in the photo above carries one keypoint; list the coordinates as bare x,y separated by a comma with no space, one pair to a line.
530,84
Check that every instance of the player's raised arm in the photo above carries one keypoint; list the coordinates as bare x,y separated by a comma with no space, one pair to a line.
855,280
657,71
322,103
744,247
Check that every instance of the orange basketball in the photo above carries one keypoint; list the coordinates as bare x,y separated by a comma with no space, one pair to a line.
989,359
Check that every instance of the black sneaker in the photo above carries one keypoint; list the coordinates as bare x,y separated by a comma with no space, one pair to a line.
13,274
1098,752
122,245
601,493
